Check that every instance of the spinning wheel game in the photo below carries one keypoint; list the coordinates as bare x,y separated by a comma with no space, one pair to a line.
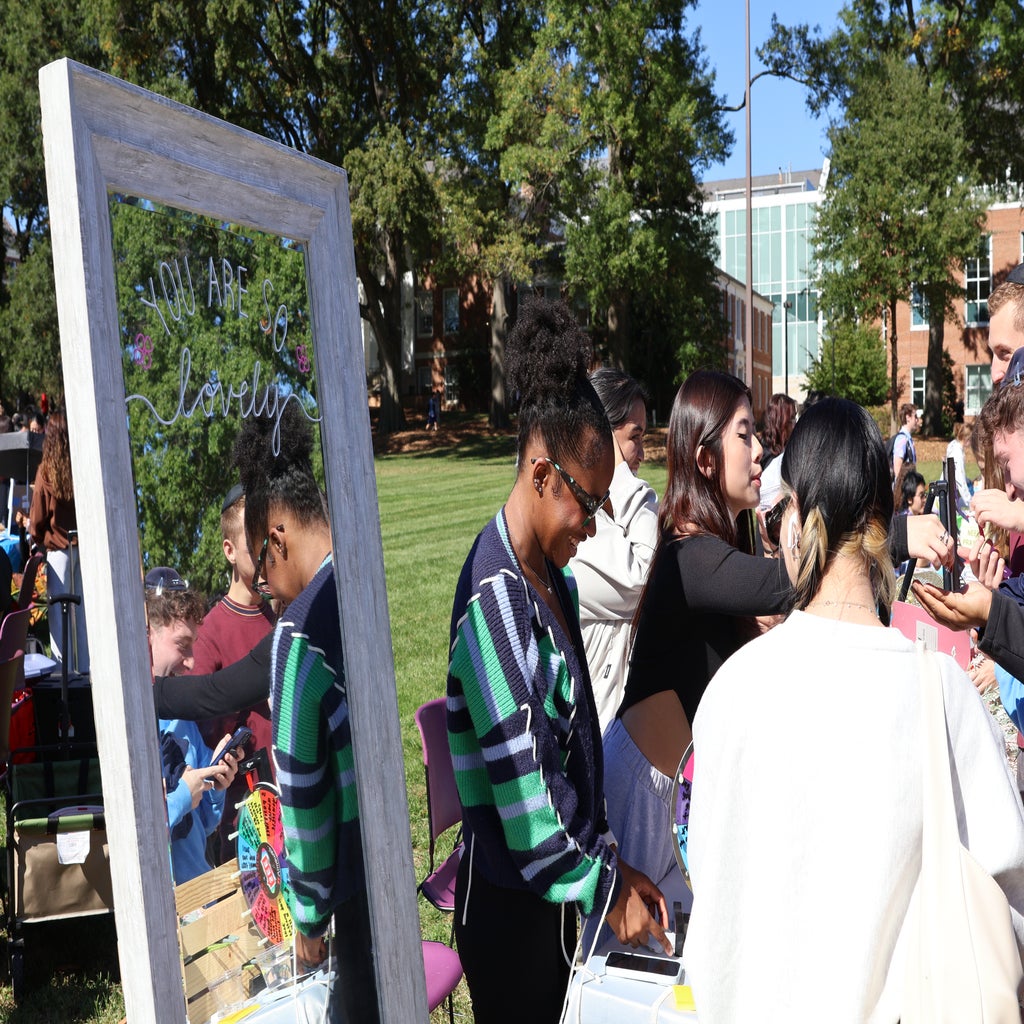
264,875
681,787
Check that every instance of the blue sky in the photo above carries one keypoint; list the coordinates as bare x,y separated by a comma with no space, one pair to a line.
784,134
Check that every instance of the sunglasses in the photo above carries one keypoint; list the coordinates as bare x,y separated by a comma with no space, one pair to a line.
259,584
773,520
588,502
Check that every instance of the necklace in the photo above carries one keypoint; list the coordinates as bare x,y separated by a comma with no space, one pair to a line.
537,576
845,604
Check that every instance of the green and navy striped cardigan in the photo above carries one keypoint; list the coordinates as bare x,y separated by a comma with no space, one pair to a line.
524,733
313,756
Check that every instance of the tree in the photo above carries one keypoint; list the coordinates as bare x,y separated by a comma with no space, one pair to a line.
899,209
355,84
33,35
196,319
971,50
605,128
851,364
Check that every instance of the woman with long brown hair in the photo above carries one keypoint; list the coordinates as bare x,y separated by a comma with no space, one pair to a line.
54,527
699,605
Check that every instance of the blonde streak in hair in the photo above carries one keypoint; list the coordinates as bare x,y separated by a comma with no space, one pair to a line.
813,554
871,546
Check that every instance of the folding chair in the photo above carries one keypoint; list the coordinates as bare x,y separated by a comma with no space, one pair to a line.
443,969
28,580
13,634
10,668
443,807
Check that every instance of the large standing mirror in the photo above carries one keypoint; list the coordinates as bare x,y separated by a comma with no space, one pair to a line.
205,275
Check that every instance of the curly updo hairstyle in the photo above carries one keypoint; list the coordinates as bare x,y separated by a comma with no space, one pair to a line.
546,361
277,480
836,465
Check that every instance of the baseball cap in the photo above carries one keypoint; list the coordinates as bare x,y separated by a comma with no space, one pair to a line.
164,578
233,495
1015,370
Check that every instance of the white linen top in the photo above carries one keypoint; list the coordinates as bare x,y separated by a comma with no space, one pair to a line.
610,569
805,825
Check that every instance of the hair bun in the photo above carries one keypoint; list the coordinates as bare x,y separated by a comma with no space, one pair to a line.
270,445
547,353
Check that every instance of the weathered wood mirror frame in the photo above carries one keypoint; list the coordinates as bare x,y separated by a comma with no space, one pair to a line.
102,135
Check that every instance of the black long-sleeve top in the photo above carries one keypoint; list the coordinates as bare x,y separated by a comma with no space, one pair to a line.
227,690
697,611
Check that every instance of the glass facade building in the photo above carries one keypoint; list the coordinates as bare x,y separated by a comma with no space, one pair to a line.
783,215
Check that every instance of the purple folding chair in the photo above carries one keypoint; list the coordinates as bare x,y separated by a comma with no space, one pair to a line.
443,969
13,635
28,580
443,807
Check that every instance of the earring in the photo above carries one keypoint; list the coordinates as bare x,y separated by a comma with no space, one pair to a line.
793,543
539,486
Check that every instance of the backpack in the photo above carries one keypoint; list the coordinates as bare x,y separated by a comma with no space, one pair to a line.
890,448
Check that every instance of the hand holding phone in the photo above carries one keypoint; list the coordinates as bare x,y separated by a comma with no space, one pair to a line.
239,738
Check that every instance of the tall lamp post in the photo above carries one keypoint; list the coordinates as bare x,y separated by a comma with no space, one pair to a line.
749,318
786,307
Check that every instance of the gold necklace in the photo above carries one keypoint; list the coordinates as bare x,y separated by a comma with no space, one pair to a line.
845,604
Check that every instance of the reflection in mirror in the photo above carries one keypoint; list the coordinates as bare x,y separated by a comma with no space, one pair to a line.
216,342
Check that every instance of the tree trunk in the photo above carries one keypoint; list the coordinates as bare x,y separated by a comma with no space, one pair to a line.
499,320
934,376
619,327
894,380
384,314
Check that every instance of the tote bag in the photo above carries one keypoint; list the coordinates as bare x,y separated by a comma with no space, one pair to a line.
962,964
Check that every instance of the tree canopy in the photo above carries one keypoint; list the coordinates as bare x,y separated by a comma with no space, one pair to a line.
899,207
468,132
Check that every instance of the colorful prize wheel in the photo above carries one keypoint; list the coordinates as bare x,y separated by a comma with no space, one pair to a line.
264,875
681,788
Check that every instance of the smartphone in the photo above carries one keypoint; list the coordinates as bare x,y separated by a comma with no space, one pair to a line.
773,520
239,738
658,969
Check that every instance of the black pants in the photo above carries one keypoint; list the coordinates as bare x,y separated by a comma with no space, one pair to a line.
511,950
354,998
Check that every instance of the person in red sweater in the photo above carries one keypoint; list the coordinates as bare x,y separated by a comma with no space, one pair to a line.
232,627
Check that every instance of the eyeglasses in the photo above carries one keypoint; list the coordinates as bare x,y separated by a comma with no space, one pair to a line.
773,519
587,501
259,584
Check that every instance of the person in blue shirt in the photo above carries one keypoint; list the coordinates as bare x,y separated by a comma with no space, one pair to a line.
194,775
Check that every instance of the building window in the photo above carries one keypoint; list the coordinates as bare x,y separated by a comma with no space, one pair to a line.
919,310
917,376
977,387
425,315
425,379
978,283
451,311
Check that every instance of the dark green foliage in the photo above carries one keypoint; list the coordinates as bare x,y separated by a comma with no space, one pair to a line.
199,338
899,207
851,364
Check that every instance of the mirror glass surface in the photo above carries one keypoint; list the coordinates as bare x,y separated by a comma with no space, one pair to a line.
214,329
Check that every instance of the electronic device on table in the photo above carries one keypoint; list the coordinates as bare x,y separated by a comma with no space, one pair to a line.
662,970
